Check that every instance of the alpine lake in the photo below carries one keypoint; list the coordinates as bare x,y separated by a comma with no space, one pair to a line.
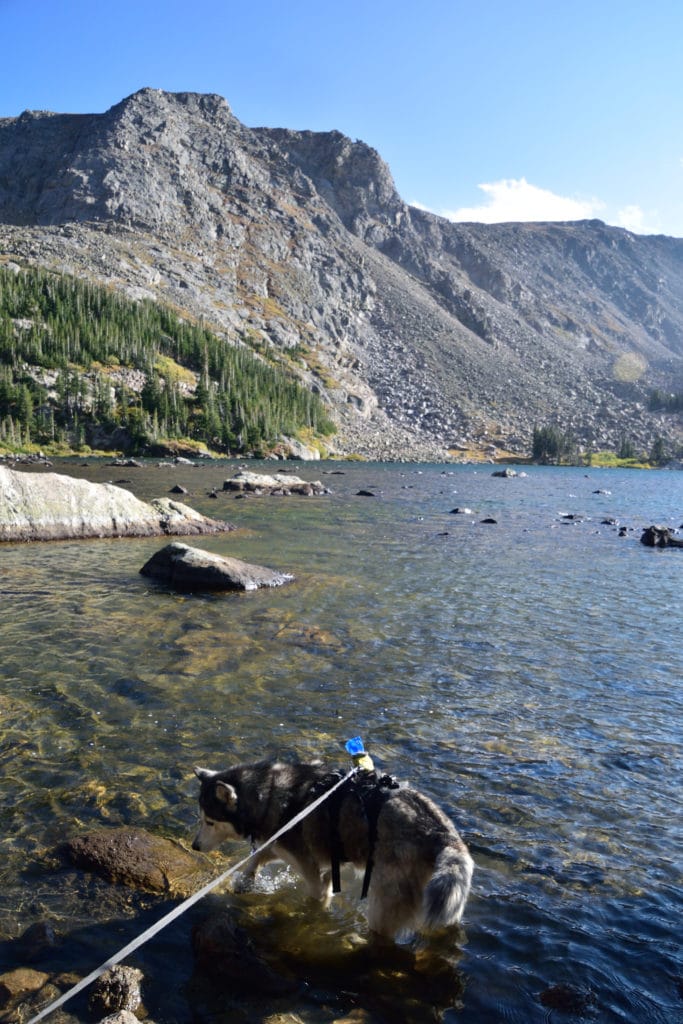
526,674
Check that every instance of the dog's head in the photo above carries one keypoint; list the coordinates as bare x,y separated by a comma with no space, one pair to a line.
219,815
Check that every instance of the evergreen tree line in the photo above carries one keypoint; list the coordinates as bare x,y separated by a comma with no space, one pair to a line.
81,333
666,401
551,445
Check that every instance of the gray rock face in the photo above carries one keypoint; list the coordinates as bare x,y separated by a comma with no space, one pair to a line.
419,333
52,506
192,569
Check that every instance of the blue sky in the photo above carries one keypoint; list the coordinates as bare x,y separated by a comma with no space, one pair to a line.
484,110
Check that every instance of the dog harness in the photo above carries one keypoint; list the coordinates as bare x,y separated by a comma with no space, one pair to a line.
371,791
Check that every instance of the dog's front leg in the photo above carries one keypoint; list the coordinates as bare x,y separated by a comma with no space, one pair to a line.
323,891
247,876
318,882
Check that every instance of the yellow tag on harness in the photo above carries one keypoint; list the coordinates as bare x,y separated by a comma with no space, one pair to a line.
364,762
361,759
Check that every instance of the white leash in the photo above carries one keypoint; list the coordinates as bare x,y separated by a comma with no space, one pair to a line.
186,904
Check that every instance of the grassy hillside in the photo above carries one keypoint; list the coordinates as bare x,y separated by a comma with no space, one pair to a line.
82,365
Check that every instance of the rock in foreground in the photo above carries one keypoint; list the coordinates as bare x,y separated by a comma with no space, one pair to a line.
227,955
52,506
19,983
139,859
117,989
193,569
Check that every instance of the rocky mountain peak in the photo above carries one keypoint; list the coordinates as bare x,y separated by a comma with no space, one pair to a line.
350,177
149,102
419,333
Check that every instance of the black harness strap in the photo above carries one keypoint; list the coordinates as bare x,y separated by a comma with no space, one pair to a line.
370,863
373,797
333,808
371,792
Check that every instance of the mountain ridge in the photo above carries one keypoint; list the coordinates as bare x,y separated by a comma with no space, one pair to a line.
420,334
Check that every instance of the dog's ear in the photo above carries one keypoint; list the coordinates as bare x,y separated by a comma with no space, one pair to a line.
227,795
204,773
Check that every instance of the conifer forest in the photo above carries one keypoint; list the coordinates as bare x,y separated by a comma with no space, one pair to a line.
83,365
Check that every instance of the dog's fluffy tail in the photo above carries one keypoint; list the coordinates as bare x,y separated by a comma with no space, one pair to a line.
447,890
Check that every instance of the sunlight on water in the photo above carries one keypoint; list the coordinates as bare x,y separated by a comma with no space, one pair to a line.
525,674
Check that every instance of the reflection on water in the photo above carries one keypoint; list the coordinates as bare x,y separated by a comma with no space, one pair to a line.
525,674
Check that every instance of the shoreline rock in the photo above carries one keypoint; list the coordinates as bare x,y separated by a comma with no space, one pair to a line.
53,506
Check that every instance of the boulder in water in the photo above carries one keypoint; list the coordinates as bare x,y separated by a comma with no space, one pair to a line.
279,483
660,537
191,568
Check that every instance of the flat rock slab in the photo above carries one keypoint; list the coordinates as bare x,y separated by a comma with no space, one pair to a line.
52,506
193,569
139,859
278,483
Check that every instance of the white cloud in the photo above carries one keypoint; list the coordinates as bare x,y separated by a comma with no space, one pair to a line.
632,218
641,222
515,199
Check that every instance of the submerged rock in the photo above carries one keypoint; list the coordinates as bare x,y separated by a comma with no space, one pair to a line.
227,955
568,999
52,506
193,569
36,941
139,859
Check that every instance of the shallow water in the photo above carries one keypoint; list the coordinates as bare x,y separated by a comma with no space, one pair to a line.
526,674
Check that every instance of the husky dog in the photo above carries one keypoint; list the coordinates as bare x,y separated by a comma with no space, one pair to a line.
417,868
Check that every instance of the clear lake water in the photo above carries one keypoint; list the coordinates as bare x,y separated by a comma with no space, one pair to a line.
527,674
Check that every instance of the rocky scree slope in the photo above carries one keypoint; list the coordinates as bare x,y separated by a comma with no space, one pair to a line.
421,334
